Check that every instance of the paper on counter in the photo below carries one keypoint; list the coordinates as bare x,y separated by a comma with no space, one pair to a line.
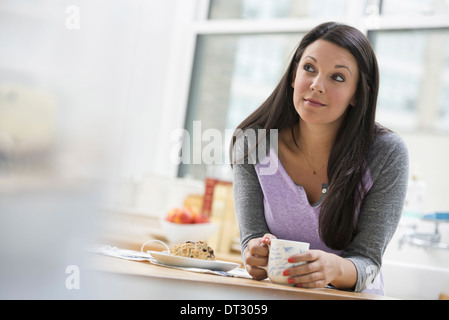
142,256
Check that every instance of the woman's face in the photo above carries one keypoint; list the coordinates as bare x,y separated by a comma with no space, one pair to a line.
325,83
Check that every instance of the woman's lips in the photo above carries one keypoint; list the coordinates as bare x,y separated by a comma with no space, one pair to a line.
314,102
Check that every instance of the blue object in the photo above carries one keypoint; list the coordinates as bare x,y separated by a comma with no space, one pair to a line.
439,216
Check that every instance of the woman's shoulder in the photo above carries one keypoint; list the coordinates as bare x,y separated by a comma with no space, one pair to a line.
387,141
388,149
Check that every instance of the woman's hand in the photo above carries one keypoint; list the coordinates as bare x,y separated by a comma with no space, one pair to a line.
256,256
322,268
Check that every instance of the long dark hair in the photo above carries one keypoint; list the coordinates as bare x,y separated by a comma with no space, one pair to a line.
347,161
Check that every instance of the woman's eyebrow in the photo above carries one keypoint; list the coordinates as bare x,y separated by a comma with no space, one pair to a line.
338,66
311,58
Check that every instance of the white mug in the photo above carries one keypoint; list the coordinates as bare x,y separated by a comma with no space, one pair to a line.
279,252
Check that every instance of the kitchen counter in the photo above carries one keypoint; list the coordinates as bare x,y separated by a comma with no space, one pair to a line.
125,279
118,278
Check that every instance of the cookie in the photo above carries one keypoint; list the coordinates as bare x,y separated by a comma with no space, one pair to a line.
197,250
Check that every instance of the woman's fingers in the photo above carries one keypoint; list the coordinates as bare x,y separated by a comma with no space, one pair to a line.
255,248
256,272
316,273
259,246
256,256
256,261
266,239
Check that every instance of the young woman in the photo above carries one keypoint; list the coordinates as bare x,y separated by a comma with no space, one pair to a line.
340,178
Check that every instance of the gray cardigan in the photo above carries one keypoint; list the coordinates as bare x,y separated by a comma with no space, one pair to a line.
378,217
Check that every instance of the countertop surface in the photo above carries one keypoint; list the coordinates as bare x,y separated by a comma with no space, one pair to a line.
162,282
121,278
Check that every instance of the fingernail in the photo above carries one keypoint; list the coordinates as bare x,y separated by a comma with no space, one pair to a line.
266,239
291,260
286,273
298,284
291,280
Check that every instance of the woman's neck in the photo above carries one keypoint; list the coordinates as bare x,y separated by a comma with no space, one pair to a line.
316,141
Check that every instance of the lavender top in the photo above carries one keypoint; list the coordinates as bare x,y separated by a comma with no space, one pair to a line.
286,218
273,203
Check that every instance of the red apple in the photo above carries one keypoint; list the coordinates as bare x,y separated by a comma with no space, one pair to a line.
179,215
192,212
196,216
201,219
171,214
185,215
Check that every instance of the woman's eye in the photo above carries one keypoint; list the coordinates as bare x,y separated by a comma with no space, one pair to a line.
338,78
309,68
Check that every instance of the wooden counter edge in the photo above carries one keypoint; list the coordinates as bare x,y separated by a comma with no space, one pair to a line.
147,269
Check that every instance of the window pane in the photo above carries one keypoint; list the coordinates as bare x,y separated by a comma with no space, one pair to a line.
413,78
408,7
233,75
443,115
263,9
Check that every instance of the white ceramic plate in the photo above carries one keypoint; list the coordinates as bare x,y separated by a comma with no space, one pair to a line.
176,261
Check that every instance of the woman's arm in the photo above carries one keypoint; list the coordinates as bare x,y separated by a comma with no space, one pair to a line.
248,200
381,209
253,229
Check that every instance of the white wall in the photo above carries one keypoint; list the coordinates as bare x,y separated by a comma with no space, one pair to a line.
107,76
429,156
104,82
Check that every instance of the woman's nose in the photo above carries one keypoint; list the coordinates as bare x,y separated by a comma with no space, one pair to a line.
317,86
